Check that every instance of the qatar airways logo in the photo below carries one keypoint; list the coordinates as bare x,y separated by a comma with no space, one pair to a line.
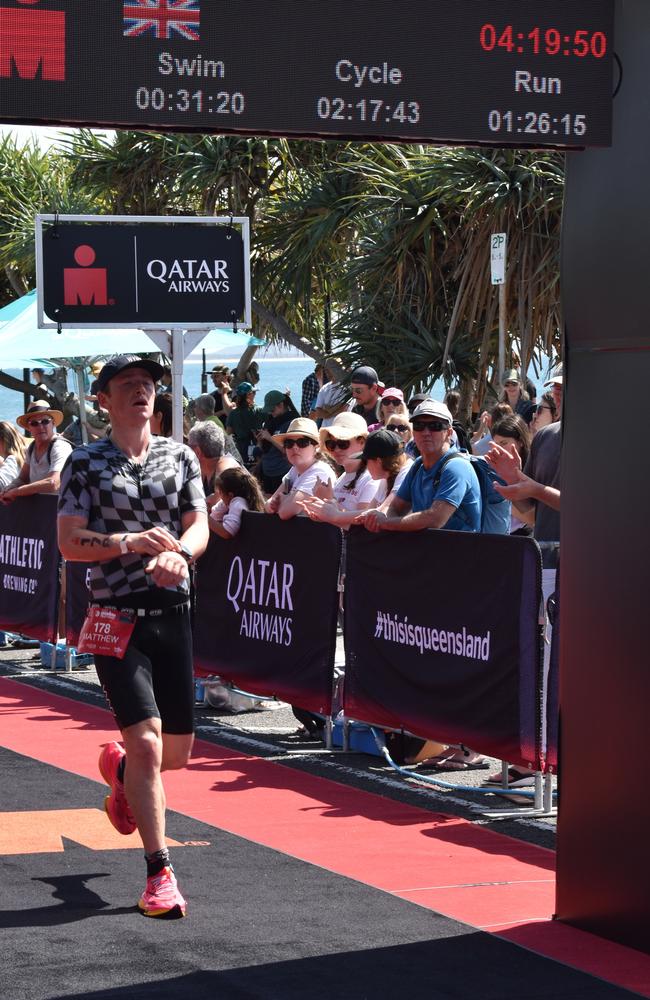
190,275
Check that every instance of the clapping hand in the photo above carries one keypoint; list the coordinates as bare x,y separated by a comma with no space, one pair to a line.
506,462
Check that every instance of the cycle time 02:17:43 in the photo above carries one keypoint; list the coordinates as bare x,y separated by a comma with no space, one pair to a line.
368,110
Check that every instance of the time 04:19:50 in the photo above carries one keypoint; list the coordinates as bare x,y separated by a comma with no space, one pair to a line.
537,123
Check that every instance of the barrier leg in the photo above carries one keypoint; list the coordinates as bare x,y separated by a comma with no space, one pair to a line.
345,746
548,793
328,732
68,659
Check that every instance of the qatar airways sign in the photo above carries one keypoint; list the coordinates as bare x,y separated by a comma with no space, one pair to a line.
149,273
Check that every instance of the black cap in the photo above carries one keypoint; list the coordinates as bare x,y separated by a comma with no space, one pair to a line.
118,363
416,400
381,444
365,375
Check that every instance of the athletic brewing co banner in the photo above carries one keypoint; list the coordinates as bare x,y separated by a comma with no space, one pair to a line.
442,638
266,609
29,563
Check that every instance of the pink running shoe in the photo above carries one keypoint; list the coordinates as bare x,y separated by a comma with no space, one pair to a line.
115,804
161,897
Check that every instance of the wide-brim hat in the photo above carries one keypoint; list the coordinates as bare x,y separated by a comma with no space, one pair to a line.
299,428
345,426
39,408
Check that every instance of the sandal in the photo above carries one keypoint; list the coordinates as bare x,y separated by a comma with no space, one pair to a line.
455,760
517,778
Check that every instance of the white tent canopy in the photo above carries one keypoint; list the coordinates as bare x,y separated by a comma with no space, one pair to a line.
21,343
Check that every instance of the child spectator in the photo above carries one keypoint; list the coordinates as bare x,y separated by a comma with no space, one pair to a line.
239,492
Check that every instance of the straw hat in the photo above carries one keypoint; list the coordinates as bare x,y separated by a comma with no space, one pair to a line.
345,426
301,427
39,408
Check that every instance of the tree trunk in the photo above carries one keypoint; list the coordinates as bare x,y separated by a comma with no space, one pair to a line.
285,332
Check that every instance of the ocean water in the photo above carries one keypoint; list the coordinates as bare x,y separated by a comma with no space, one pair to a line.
275,373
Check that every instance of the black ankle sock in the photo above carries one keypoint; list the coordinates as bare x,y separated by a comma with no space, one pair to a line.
121,767
157,861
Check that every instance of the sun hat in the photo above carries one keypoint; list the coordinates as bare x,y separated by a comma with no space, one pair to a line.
557,378
298,428
244,388
392,393
119,363
381,444
364,375
345,426
39,408
272,399
433,408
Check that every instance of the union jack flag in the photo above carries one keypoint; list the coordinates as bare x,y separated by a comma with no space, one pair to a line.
162,18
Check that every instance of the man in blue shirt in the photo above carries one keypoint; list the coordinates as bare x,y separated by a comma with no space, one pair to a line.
428,497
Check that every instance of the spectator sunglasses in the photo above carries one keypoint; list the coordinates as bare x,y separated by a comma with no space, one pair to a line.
298,443
430,425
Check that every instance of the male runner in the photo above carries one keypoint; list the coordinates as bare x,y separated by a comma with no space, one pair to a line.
133,505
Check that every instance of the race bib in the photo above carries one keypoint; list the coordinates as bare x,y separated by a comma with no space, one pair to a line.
106,631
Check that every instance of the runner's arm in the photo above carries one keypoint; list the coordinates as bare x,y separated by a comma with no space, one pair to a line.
77,543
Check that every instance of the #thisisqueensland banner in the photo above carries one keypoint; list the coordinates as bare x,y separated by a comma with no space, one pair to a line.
442,638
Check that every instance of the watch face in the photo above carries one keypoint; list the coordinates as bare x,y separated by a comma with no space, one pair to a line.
186,552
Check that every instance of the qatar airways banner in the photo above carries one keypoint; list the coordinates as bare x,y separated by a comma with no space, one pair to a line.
160,272
29,563
266,604
442,638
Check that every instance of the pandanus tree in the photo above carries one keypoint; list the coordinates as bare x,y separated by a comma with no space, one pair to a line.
381,250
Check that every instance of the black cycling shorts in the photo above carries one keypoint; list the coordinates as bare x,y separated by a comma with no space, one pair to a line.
155,679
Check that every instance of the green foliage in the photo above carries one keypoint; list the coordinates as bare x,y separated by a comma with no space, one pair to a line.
386,245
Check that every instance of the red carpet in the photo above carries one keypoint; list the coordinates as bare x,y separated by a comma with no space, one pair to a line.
442,863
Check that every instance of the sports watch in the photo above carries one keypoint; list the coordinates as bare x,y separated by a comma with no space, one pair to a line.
186,552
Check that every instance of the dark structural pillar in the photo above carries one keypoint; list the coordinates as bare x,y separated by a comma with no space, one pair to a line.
604,821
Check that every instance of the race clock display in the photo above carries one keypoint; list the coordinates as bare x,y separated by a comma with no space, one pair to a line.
503,72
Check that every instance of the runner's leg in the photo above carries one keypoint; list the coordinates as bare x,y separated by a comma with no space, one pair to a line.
142,782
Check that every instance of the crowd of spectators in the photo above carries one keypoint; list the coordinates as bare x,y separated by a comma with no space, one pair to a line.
356,453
